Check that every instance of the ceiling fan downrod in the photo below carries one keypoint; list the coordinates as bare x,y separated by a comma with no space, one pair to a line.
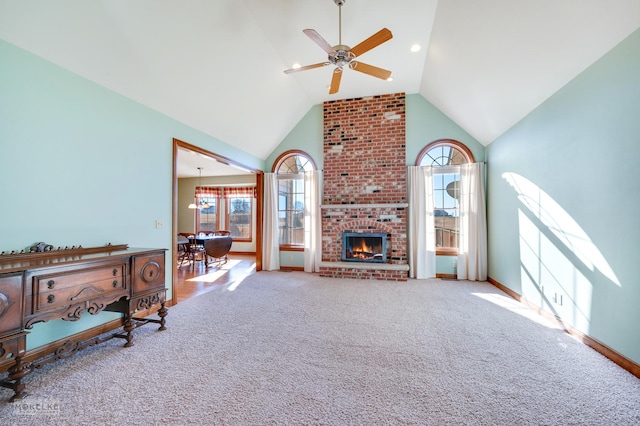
339,3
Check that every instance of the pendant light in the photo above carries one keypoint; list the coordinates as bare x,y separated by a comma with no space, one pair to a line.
203,204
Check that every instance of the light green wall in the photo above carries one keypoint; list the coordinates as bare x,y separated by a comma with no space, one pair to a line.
82,165
563,202
292,259
426,123
307,136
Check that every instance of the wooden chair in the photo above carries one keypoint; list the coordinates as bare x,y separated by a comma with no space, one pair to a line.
183,250
196,251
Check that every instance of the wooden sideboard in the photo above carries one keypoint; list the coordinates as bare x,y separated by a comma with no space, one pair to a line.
44,284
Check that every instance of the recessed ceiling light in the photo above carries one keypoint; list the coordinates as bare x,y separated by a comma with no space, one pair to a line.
296,66
415,48
390,78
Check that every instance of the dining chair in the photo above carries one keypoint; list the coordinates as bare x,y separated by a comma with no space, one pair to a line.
183,250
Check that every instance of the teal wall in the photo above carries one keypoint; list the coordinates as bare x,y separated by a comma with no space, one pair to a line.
426,123
307,136
563,201
82,165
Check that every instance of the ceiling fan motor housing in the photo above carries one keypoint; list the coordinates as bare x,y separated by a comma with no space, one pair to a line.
341,55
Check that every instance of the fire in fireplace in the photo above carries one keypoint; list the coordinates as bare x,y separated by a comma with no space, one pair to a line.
364,247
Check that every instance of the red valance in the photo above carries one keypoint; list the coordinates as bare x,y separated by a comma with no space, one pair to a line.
208,192
240,192
227,192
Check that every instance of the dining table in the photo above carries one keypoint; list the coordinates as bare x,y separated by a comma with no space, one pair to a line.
200,239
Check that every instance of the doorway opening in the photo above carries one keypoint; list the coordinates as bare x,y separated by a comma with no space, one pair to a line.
190,161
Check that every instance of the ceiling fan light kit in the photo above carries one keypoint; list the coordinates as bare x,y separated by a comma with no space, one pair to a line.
342,55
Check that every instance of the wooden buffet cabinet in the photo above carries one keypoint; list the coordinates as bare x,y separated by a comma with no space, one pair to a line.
45,284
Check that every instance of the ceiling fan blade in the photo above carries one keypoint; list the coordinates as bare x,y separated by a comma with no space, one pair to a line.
335,81
307,67
317,38
373,41
370,69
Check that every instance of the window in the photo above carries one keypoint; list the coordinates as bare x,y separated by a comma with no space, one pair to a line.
290,168
230,208
238,208
444,155
207,217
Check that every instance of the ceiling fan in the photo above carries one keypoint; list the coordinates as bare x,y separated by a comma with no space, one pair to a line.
341,55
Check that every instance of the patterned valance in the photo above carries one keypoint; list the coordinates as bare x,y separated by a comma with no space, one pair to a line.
226,192
208,192
240,192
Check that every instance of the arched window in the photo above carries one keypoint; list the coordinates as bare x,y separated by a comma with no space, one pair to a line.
444,152
290,167
445,155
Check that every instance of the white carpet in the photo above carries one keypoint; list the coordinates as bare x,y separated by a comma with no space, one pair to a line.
293,348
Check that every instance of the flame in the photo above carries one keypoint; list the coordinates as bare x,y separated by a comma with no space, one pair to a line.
362,250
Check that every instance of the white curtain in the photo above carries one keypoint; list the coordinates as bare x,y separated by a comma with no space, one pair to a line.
472,253
270,239
312,220
421,230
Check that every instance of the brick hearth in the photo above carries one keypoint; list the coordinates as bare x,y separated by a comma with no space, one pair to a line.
365,183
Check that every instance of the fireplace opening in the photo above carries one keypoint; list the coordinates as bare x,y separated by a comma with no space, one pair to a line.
364,247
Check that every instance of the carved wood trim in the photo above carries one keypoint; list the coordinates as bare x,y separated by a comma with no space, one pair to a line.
69,348
42,351
73,312
42,250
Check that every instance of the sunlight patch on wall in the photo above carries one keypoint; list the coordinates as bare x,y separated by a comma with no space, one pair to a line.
561,224
550,280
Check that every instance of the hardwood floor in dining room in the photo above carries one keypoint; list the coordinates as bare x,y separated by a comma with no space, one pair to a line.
194,280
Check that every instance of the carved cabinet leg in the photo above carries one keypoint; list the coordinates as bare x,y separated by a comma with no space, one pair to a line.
16,374
162,313
129,326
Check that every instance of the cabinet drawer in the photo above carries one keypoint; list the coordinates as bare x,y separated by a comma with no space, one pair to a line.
69,295
56,290
73,278
148,273
11,303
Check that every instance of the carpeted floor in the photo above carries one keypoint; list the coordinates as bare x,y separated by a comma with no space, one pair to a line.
280,348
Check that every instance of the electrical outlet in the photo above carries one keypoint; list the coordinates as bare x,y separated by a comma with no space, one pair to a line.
159,224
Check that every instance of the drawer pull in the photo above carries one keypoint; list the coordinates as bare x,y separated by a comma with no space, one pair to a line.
51,298
150,271
115,283
115,272
51,284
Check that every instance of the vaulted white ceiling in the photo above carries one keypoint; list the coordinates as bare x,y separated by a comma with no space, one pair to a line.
217,65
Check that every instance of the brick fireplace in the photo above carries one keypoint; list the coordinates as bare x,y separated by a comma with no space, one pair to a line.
365,183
